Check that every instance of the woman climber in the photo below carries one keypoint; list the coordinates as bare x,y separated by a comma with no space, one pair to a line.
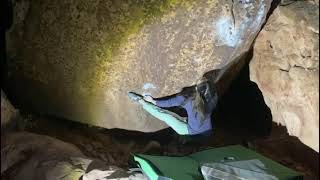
199,101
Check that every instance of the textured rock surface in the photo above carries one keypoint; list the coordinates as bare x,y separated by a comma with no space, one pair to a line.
285,66
8,112
30,156
78,59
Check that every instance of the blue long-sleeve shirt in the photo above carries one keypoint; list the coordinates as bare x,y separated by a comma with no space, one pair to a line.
195,126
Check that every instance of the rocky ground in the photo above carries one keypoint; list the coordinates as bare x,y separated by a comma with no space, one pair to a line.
114,147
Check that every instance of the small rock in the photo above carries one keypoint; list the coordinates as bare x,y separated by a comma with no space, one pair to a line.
53,157
9,115
88,147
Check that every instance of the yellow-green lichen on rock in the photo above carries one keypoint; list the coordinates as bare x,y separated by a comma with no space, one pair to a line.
77,59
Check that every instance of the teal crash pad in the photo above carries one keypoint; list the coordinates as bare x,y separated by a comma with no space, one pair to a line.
188,167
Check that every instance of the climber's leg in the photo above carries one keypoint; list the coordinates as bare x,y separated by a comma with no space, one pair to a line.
171,119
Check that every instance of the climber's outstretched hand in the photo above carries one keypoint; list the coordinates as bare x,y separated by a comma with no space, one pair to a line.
149,99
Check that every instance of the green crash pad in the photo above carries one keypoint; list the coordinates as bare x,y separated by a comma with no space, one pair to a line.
188,167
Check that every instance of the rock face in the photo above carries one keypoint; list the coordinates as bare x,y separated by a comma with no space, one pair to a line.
77,59
285,66
8,113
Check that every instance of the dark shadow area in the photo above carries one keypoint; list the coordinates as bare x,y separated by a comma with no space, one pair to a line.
242,110
48,124
6,19
289,151
274,5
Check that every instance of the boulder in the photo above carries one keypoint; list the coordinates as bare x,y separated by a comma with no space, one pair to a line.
285,66
77,59
26,155
29,156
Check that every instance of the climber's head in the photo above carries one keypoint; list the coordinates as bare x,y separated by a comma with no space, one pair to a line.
204,97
